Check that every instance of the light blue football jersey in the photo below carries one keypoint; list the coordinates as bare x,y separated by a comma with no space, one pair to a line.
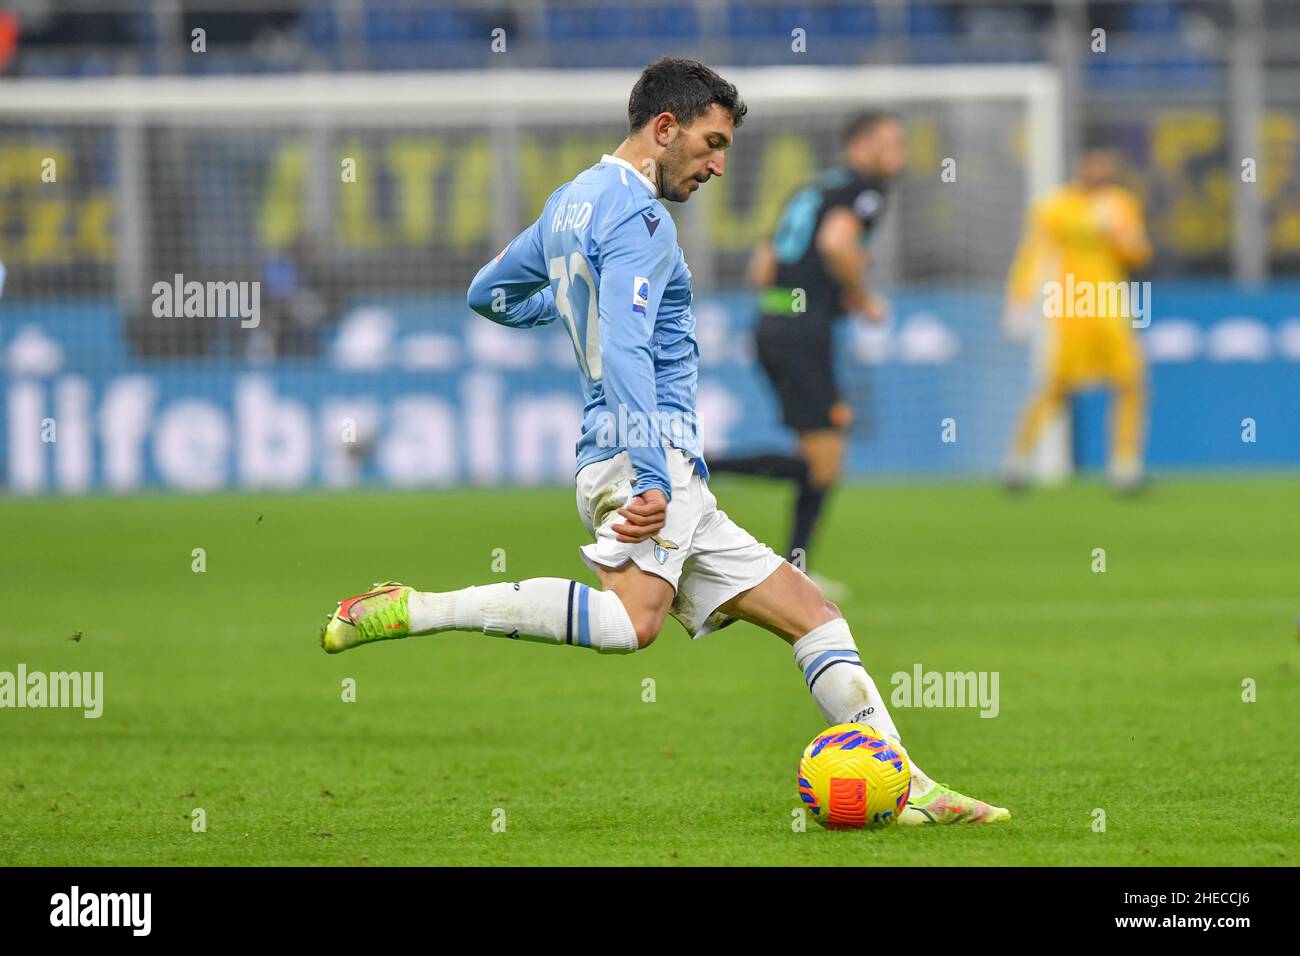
603,258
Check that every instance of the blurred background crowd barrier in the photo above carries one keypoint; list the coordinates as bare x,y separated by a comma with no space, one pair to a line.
360,159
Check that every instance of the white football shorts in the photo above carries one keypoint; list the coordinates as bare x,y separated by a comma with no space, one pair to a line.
703,554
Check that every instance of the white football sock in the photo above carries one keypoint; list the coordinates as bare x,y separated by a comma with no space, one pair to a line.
546,610
844,690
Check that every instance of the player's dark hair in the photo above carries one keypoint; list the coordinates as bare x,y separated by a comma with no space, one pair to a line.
1098,142
685,88
865,122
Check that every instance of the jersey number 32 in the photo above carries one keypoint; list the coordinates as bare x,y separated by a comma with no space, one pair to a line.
588,351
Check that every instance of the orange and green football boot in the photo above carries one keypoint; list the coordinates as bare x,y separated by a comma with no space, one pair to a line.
945,805
378,615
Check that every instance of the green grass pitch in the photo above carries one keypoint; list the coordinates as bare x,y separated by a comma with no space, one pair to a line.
1120,691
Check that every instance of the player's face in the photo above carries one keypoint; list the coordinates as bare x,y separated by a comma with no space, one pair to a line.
697,154
1098,167
890,148
879,151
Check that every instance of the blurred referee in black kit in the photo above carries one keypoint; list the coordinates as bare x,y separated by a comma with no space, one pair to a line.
811,273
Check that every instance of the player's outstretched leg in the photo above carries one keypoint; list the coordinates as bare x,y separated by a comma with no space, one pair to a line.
791,606
1128,409
546,610
771,465
823,449
1040,410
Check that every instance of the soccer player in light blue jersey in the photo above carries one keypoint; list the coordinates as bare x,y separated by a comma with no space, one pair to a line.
603,259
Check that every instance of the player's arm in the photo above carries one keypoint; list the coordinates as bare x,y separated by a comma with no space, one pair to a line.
839,244
1128,233
1026,265
762,265
515,288
635,269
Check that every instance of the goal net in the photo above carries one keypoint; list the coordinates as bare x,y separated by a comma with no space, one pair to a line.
259,282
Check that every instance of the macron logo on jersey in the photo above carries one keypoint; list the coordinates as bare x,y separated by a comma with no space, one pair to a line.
651,222
640,294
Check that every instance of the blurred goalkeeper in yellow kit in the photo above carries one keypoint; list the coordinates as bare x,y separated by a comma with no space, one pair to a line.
1080,244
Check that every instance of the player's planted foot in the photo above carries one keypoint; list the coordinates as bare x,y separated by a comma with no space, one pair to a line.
1015,475
945,805
1126,477
380,614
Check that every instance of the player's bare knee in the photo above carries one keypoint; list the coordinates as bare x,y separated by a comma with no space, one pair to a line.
645,598
811,609
647,625
646,620
824,613
824,474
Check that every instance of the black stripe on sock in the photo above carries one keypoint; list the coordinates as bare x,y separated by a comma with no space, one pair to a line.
568,626
829,665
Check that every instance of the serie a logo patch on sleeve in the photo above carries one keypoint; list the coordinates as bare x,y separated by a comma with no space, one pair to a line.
640,294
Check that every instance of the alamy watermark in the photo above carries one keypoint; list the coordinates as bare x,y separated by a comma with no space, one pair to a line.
636,429
179,299
1083,299
922,688
82,690
75,908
